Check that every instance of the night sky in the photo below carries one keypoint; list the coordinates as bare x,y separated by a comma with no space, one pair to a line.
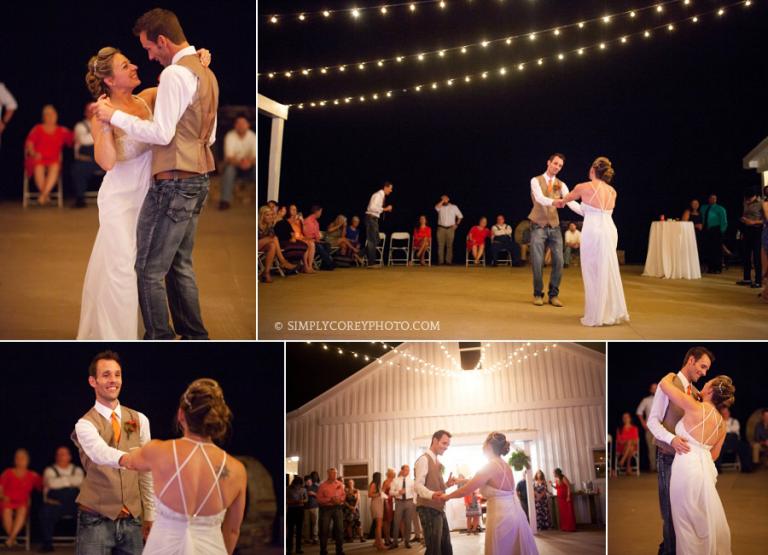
676,114
46,45
632,367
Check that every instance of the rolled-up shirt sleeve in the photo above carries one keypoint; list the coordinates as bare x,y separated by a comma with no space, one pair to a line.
6,98
420,469
94,445
573,205
146,484
658,408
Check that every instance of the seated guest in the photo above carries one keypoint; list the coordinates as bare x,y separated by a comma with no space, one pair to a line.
422,239
61,485
502,241
732,444
522,494
43,148
572,243
84,167
476,239
353,232
239,159
311,228
336,236
273,205
293,249
296,221
16,485
760,443
269,243
627,438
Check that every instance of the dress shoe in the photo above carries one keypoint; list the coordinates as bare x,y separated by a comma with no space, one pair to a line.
744,282
538,301
555,301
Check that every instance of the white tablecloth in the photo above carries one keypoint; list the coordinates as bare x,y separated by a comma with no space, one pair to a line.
672,251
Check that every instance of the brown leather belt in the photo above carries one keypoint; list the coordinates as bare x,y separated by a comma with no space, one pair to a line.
176,174
123,514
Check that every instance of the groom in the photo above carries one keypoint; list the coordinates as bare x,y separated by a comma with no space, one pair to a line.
545,229
182,130
115,506
429,487
661,422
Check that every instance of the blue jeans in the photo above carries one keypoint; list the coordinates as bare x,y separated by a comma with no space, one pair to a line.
664,469
437,533
98,535
372,238
541,237
568,252
228,177
165,239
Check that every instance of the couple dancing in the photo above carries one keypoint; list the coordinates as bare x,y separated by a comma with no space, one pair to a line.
155,148
507,529
183,497
689,434
604,302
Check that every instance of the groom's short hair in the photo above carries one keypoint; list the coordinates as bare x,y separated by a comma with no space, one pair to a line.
438,435
160,22
697,353
556,155
104,355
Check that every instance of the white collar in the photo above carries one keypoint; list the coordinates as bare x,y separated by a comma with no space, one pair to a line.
189,50
431,454
683,379
547,178
106,412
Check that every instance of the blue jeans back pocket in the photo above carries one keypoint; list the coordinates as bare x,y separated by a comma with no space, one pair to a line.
184,204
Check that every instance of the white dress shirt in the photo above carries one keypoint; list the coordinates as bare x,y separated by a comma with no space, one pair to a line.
396,488
420,469
659,408
573,237
376,204
7,101
732,426
238,147
541,198
447,215
175,93
644,408
500,231
69,477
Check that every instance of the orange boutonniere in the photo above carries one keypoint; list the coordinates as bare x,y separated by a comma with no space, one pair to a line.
130,426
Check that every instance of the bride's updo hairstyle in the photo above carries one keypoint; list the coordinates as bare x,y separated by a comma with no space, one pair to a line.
99,68
205,410
723,392
603,169
498,442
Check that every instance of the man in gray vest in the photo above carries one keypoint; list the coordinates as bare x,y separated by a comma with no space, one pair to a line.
661,422
182,129
115,506
545,229
429,487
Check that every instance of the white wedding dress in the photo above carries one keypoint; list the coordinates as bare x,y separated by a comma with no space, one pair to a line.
697,512
174,533
110,302
507,531
604,303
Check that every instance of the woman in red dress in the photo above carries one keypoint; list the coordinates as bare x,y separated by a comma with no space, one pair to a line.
422,239
627,438
476,239
43,152
564,502
16,485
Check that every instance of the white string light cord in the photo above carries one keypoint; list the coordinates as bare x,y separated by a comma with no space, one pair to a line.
505,70
398,60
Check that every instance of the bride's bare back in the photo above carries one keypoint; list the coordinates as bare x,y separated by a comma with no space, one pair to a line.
704,424
597,194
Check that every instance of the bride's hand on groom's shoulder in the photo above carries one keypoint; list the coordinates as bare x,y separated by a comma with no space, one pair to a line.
205,56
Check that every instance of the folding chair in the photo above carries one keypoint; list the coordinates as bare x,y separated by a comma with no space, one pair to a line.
24,538
427,255
380,246
57,192
398,247
634,466
469,260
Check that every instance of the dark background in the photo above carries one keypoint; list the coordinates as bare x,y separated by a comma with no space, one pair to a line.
632,367
45,390
675,114
46,45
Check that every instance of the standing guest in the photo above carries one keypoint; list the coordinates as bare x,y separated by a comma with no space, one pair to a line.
564,502
522,494
293,250
642,412
295,498
502,240
693,214
714,223
760,443
312,233
372,215
376,499
448,219
297,225
311,508
541,496
627,439
405,509
572,243
752,220
764,241
476,239
84,165
472,511
8,106
422,239
389,508
16,485
61,485
43,152
352,525
239,159
330,498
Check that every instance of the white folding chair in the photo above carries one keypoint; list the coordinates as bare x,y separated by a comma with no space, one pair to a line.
396,246
427,255
275,264
25,538
634,466
507,261
29,195
380,246
469,260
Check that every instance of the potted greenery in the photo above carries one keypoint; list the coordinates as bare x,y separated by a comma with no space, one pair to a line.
519,460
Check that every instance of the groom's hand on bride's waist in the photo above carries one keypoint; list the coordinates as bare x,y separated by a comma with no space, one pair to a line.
680,445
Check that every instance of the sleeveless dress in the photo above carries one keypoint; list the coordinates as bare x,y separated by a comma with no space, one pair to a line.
697,512
110,302
565,508
507,531
604,303
184,534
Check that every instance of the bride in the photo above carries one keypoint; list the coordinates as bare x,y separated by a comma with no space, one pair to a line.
697,512
110,303
201,503
507,530
604,302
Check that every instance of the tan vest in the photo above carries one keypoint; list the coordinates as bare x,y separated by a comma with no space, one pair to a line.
189,150
105,489
546,215
434,482
671,418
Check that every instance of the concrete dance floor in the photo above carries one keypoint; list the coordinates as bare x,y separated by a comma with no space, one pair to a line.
45,251
634,521
495,303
